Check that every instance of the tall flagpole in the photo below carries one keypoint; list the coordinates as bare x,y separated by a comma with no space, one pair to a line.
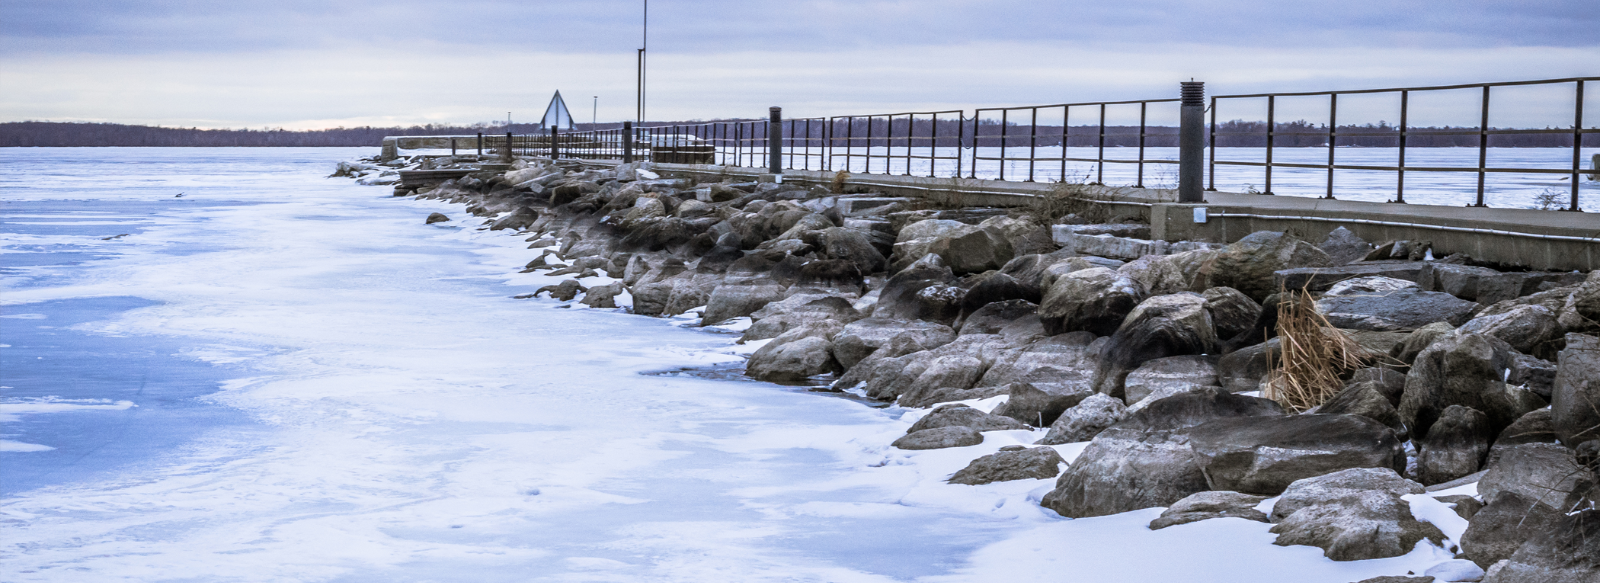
645,44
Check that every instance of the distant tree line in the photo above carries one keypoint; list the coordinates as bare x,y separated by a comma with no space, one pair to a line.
856,131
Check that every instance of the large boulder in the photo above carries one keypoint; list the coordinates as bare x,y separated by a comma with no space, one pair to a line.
1575,396
1404,309
1034,463
994,287
860,338
1243,370
1469,370
1366,399
853,246
973,251
1455,447
1156,274
1145,460
1535,427
964,416
1095,300
1509,519
1546,472
1331,279
1263,455
902,297
1343,247
1525,328
796,355
1353,515
1419,340
1007,317
796,310
729,301
1232,312
1169,376
1567,552
1040,406
940,438
1162,326
914,239
1248,264
1208,505
1058,361
1085,420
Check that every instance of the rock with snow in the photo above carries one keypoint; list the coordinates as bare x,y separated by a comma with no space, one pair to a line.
964,416
603,296
1085,420
1455,447
1095,300
1403,309
940,438
1159,327
735,300
1034,463
1353,515
1263,455
1040,405
1468,370
436,218
564,291
1208,505
795,355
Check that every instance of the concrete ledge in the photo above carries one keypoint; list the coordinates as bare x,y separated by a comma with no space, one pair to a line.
1548,240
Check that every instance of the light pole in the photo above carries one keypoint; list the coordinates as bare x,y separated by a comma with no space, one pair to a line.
644,44
594,115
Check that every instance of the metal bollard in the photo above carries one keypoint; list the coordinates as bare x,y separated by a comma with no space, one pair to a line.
555,150
1192,144
627,142
505,152
480,144
775,140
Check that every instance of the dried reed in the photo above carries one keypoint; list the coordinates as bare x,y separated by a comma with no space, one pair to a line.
1313,355
839,179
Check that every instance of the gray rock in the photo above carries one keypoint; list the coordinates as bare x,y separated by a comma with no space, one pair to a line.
1263,455
436,218
853,246
860,338
1001,317
1156,275
1242,370
1525,328
1575,396
1369,285
973,251
1066,359
603,296
729,301
1145,460
1366,399
516,221
1536,375
1105,245
1095,300
1545,472
992,287
1480,284
1248,265
1162,326
953,371
940,438
795,355
564,291
1569,552
1085,420
1469,370
899,298
1403,309
798,310
1208,505
1322,279
1040,406
1504,524
1534,427
1343,246
1420,340
914,239
964,416
1232,312
1456,446
1036,463
1353,515
1170,376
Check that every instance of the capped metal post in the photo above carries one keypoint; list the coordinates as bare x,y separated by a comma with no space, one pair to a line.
627,142
505,152
775,140
480,144
1192,144
555,149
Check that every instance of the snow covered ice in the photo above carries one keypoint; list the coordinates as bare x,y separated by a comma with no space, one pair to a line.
384,410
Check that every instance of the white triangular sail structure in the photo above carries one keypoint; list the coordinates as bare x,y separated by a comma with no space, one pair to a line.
556,115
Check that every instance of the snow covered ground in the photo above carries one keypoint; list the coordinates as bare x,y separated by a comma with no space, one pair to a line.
407,420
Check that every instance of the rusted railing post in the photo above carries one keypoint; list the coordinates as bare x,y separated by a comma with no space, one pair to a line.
1192,144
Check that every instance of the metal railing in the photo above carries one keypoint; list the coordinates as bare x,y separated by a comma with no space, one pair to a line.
1332,133
1033,142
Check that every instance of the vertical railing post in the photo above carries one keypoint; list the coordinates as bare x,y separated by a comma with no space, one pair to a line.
1191,143
775,140
1100,153
480,144
1483,145
1211,172
1033,140
505,153
1142,108
1272,105
1400,178
452,147
627,142
555,147
1577,144
1333,137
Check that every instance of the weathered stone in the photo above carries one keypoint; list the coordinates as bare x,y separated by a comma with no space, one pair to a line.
1105,245
1208,505
1343,246
1455,447
1504,524
1248,265
974,251
1420,340
603,296
1094,300
1469,370
564,291
1145,461
954,371
1534,427
1455,570
853,246
436,218
1155,274
1232,312
1404,309
1568,552
998,317
781,316
1085,420
1329,279
1546,472
516,221
1040,406
795,355
1369,285
860,338
964,416
1480,284
940,438
995,287
1367,400
1035,463
899,298
1575,396
1352,515
1162,326
1242,370
1525,328
1263,455
730,301
1063,360
1170,376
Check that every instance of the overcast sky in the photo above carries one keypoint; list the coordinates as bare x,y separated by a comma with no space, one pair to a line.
311,64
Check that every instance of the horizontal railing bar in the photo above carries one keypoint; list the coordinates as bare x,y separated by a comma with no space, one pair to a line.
1428,88
1409,168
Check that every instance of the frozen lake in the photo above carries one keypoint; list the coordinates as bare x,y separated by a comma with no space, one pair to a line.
281,376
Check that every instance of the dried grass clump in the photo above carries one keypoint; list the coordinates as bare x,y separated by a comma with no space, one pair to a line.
839,178
1071,198
1313,355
